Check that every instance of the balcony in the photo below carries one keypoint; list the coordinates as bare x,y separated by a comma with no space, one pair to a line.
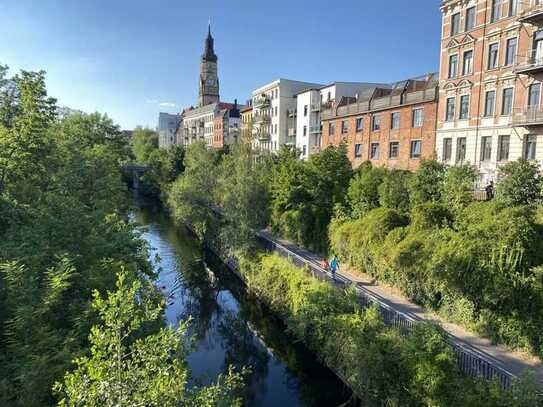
316,107
527,116
261,101
291,132
261,134
315,149
262,119
292,113
532,14
530,64
315,129
327,105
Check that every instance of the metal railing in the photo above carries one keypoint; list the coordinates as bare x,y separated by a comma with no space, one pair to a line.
530,12
469,360
261,100
526,116
316,107
262,118
315,129
291,132
531,62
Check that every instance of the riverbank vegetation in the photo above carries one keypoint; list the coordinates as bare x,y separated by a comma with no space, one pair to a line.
65,234
476,263
383,366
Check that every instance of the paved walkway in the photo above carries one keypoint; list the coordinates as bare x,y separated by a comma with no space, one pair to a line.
513,362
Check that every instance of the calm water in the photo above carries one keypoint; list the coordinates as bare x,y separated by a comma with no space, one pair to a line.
230,327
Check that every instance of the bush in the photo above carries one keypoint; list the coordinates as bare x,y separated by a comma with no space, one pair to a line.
426,183
520,183
363,192
393,191
458,183
430,215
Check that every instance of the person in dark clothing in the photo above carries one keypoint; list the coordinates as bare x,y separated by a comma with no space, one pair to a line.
489,189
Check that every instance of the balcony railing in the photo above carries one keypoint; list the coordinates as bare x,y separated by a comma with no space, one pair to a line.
315,149
531,13
530,64
291,140
291,132
316,107
261,118
327,105
261,101
527,116
292,113
261,134
315,129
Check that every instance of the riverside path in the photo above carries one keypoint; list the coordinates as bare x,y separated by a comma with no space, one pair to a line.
501,359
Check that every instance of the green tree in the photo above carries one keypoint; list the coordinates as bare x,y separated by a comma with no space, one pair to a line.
520,183
394,191
363,192
243,195
192,198
458,183
128,369
426,183
144,142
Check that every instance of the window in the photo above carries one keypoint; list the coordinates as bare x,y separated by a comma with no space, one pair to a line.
395,120
529,147
344,126
534,92
360,124
304,149
417,117
507,101
503,148
470,18
447,149
486,148
275,110
305,110
496,10
511,51
455,24
464,107
460,149
374,151
493,56
275,128
513,7
467,67
394,149
415,148
490,101
331,128
358,150
449,112
305,131
453,66
376,123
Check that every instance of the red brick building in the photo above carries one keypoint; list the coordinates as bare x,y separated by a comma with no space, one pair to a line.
390,126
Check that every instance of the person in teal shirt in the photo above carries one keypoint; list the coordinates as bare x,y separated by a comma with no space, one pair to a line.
334,266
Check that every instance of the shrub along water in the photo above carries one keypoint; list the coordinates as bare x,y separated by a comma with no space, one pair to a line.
382,366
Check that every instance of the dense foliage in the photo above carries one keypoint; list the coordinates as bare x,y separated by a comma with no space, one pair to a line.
64,234
381,365
474,262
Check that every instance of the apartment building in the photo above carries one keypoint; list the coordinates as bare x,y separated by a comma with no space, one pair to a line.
271,105
307,127
490,83
167,126
246,115
198,123
391,125
226,127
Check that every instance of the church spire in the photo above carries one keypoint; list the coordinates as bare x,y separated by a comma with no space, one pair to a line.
209,52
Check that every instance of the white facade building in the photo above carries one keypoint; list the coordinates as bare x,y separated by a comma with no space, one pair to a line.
271,106
167,126
308,128
198,123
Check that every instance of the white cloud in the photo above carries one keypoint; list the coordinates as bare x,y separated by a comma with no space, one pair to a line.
167,104
151,101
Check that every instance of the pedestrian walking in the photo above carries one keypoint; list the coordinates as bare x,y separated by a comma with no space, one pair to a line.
334,266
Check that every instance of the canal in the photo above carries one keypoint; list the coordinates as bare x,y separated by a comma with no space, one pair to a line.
229,326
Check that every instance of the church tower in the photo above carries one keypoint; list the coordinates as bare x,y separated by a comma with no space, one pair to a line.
209,79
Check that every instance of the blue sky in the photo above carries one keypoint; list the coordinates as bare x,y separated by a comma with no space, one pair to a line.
132,59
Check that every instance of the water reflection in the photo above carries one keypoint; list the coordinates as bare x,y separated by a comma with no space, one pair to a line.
230,327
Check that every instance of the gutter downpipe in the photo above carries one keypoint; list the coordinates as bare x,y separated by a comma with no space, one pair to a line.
481,93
